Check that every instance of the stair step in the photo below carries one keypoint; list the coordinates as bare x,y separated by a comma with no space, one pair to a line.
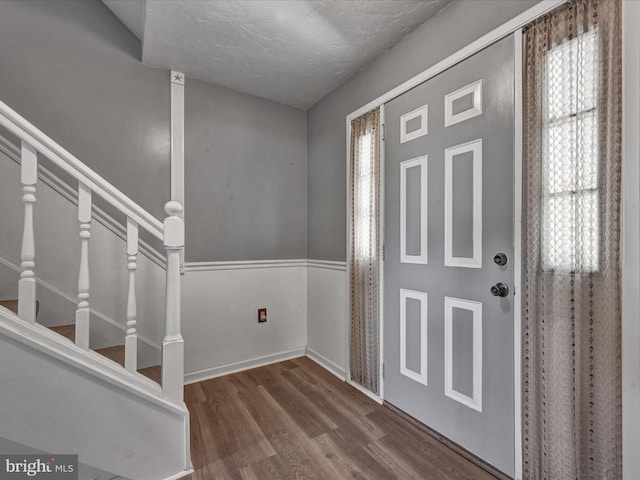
115,353
13,305
67,331
153,373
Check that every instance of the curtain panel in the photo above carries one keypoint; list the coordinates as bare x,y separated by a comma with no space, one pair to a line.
571,304
364,254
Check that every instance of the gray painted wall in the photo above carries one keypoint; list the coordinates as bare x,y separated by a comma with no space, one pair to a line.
435,40
245,176
73,69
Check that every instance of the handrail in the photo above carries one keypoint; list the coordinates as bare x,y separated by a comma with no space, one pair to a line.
23,129
170,232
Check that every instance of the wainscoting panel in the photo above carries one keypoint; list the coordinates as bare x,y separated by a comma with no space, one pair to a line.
327,315
220,316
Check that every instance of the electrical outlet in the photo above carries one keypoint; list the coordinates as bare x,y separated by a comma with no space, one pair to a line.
262,315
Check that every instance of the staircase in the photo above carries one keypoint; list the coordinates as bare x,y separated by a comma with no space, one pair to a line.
66,397
115,353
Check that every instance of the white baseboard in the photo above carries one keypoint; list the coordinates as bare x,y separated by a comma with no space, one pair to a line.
178,475
327,364
209,373
214,372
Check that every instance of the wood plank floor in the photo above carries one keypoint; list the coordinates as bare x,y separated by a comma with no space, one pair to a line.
294,420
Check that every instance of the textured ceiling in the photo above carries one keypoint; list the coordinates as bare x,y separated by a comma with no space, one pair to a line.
290,51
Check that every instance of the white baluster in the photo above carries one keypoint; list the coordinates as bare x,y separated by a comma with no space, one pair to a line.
82,310
27,284
131,339
173,344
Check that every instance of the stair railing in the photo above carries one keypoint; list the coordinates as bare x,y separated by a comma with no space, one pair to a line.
33,143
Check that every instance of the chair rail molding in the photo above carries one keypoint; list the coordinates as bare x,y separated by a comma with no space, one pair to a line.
246,264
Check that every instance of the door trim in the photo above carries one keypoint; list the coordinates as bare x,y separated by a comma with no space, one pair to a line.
517,253
483,42
382,247
630,259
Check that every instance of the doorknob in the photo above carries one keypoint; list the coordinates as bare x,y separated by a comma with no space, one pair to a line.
500,259
500,290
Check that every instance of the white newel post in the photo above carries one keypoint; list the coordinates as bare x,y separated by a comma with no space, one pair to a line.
82,310
177,142
173,344
131,339
27,284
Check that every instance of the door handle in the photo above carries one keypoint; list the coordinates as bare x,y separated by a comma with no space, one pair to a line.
500,290
500,259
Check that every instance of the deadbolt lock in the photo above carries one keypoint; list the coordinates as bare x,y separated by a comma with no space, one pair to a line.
500,290
500,259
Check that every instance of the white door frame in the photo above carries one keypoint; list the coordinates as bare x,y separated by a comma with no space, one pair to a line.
630,239
512,26
517,254
382,246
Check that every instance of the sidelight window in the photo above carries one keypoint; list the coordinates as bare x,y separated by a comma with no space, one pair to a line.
570,156
364,250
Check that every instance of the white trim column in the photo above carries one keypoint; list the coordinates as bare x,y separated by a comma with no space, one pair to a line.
177,143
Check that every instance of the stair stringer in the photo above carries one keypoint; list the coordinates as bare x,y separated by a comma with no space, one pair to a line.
61,399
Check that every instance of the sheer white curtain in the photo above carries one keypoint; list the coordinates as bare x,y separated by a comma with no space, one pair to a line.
364,254
571,241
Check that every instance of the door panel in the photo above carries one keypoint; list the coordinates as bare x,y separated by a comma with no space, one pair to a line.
448,343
